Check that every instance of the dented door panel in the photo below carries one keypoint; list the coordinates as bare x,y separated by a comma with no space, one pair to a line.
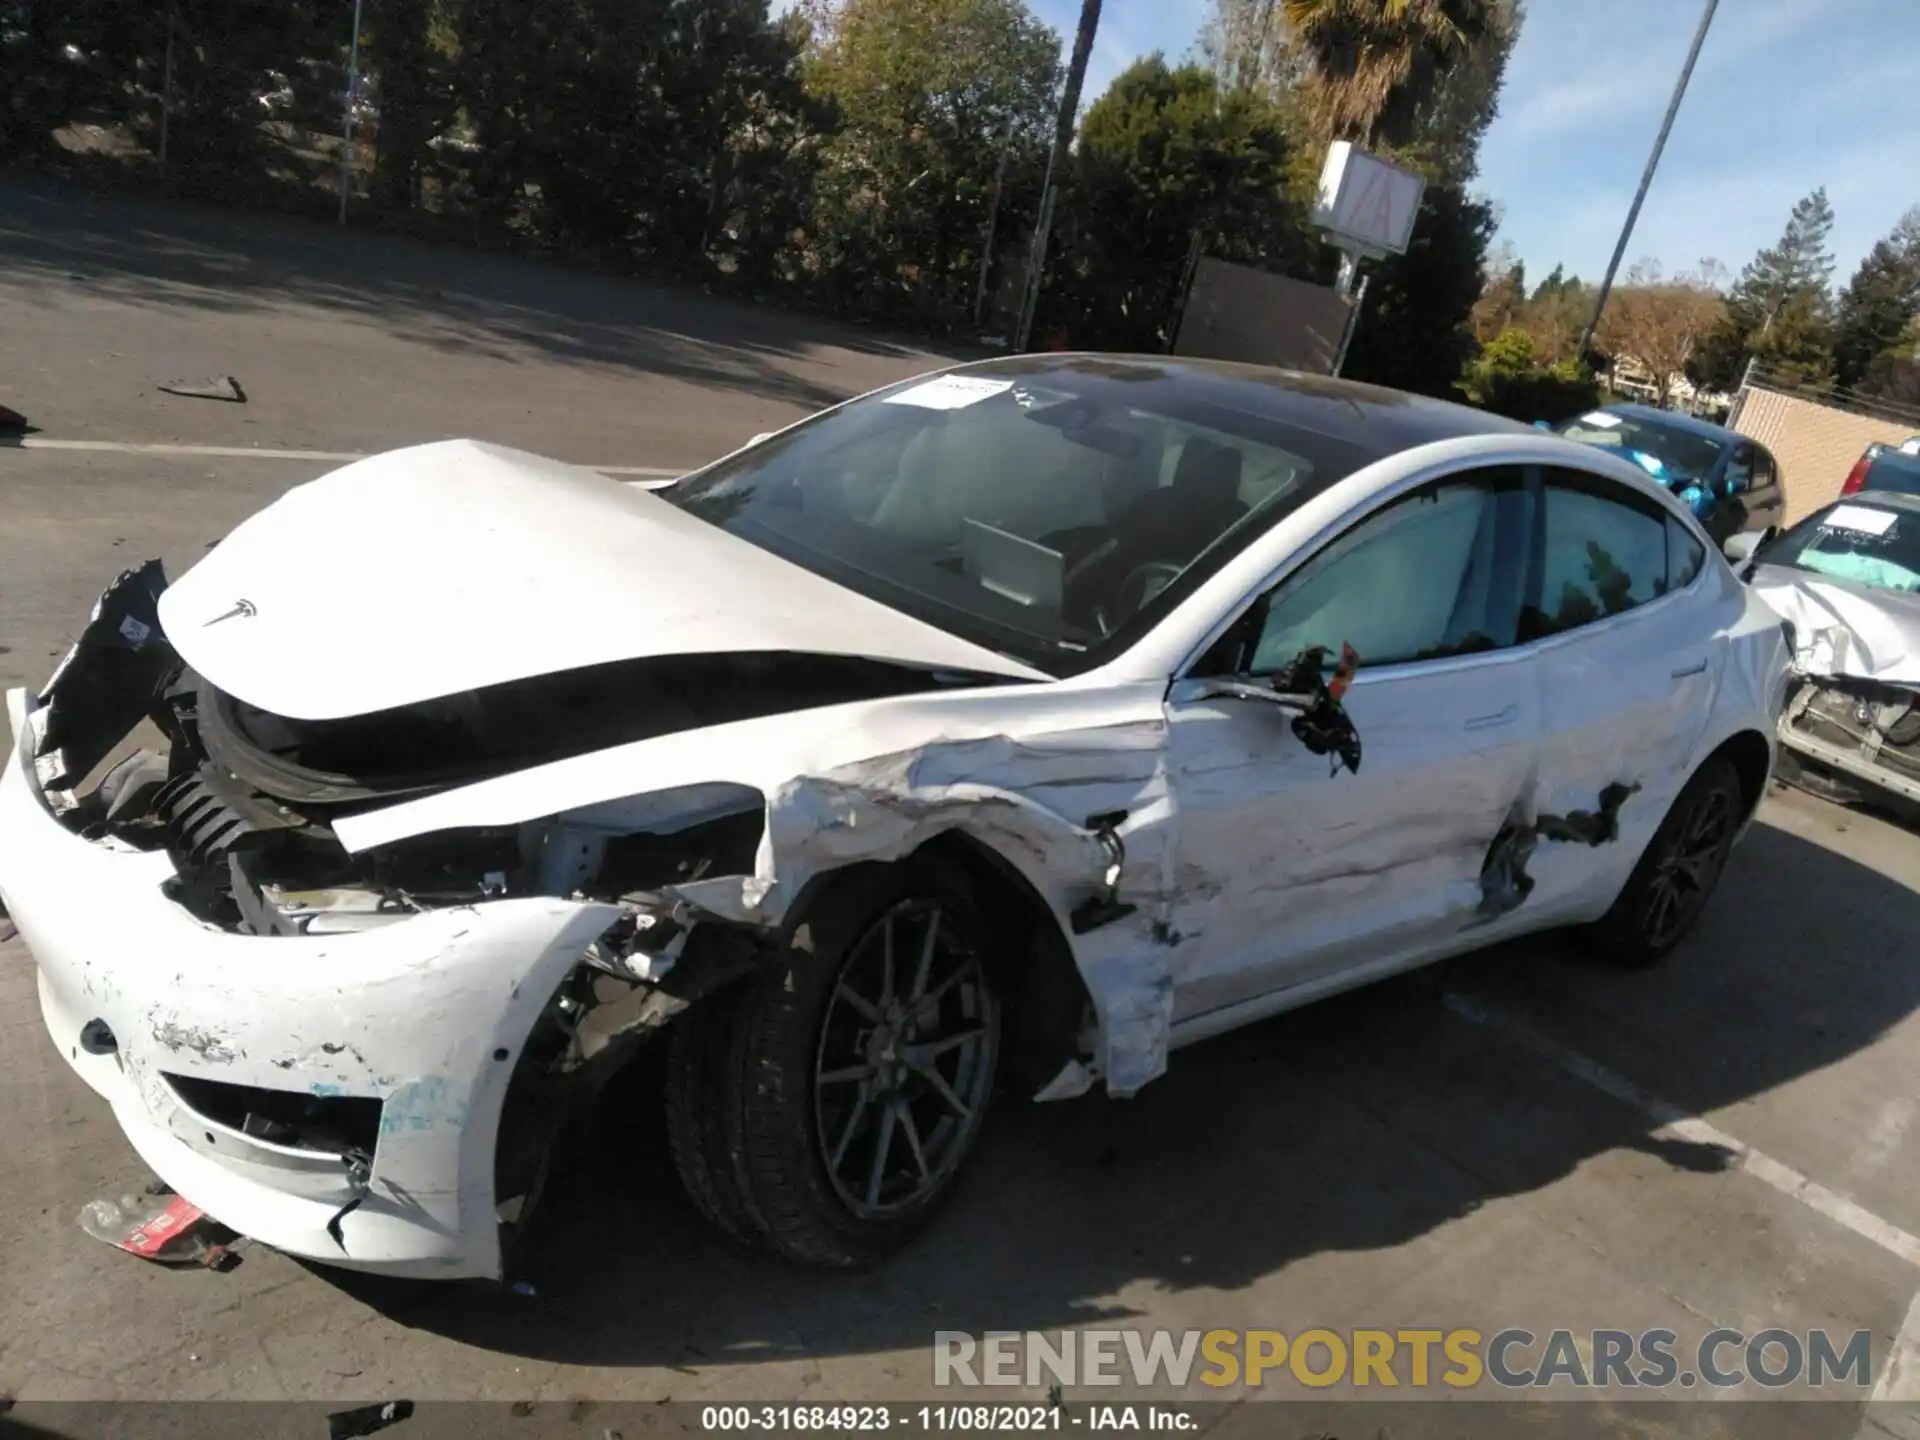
1287,874
1626,704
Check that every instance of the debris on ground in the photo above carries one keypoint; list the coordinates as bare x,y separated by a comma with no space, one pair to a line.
158,1225
366,1419
12,422
219,387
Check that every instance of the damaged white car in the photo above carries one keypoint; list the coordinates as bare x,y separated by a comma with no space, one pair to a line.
1003,729
1847,581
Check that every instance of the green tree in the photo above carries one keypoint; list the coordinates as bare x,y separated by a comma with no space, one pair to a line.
1165,159
400,50
1504,297
1412,331
1779,311
616,130
1376,65
1879,303
929,94
1557,283
1509,378
1449,126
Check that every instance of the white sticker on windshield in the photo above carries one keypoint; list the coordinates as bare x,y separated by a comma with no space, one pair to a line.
1858,517
1600,418
951,392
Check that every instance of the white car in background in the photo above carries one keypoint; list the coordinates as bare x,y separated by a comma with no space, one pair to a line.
1005,728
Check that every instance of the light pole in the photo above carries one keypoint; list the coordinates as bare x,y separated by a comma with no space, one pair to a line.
1646,177
1056,165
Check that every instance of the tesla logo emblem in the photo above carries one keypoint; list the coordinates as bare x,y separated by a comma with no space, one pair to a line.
240,607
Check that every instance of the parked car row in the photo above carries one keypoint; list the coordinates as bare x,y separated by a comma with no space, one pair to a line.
1887,468
1729,481
1847,581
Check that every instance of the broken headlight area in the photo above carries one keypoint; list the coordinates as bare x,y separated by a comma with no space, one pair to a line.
293,1119
1881,720
254,851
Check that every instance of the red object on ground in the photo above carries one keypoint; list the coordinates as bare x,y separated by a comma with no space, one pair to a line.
150,1239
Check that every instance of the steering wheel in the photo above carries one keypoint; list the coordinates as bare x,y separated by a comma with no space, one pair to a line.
1139,586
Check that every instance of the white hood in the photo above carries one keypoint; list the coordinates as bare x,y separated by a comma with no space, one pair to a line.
448,567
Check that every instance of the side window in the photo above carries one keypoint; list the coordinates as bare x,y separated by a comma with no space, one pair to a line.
1604,552
1436,573
1685,555
1739,473
1764,473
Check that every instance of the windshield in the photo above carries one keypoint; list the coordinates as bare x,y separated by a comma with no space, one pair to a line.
1867,544
1048,509
1678,455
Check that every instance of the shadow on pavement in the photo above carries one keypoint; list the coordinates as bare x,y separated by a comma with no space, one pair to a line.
225,260
1356,1124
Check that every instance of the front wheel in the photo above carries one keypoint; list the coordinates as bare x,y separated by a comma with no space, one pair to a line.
1664,897
859,1070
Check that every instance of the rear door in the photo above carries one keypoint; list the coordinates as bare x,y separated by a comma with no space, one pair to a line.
1628,643
1290,870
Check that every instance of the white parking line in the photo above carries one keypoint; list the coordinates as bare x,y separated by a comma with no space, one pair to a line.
1678,1123
1899,1377
223,452
246,452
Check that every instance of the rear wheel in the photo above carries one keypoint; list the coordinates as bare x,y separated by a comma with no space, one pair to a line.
855,1072
1669,888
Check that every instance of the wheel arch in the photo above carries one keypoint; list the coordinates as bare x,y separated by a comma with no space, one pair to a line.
1751,755
1045,998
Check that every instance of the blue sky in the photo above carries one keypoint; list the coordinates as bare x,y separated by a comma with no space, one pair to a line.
1788,94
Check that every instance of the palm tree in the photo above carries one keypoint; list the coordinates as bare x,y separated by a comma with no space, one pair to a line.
1374,63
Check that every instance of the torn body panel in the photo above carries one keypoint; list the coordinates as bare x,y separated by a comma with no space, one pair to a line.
1030,789
1288,872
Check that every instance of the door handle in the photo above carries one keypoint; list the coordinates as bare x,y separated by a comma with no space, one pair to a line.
1499,717
1697,668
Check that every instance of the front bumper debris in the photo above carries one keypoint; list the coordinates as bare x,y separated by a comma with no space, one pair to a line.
182,1026
1859,729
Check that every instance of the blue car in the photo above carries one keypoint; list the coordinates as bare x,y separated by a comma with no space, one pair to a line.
1729,480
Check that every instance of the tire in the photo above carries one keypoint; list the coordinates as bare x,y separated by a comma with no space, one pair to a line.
849,1147
702,1093
1667,891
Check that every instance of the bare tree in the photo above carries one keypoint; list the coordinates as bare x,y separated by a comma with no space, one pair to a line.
1658,321
1249,46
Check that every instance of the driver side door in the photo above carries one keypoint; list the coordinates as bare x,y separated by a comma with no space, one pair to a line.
1290,872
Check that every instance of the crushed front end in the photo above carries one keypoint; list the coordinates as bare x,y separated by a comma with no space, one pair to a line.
358,1059
1867,730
